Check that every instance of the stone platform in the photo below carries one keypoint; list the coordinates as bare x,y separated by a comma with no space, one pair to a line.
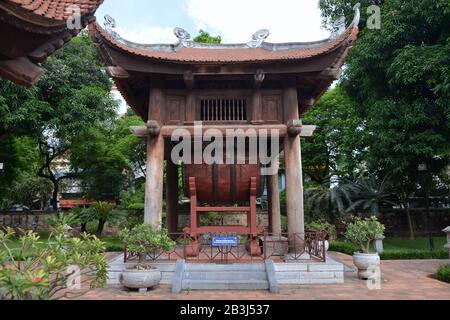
267,275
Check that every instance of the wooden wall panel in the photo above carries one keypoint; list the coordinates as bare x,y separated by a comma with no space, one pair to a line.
175,109
272,108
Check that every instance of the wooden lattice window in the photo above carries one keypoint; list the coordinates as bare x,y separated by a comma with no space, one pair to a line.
224,110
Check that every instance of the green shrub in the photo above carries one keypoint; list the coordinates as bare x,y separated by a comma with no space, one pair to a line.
362,232
144,240
413,255
398,254
443,273
344,247
322,226
40,270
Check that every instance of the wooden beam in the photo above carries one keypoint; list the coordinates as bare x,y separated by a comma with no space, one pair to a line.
259,78
167,131
238,130
189,80
21,71
117,73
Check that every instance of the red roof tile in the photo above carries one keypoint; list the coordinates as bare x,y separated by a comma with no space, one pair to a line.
56,9
228,55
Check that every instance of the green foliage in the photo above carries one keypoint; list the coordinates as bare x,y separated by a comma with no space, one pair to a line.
344,247
399,75
392,253
363,232
62,222
21,159
324,197
48,271
338,135
367,194
322,226
32,191
443,273
71,97
103,212
413,255
105,159
143,239
205,37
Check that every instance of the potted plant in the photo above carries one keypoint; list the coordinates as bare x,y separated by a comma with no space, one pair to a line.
144,240
326,228
363,232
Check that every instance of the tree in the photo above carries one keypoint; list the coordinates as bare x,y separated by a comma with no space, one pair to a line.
205,37
399,78
334,149
103,212
368,194
21,161
327,198
70,98
107,159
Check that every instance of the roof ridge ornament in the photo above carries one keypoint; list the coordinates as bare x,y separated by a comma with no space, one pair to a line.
357,18
184,37
338,27
258,38
110,24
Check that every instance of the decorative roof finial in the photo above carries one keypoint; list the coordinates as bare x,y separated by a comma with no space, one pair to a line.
183,36
338,27
258,38
111,24
357,17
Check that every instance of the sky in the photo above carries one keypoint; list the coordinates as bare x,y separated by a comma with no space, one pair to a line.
153,21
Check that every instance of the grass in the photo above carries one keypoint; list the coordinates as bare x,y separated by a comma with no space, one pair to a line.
401,248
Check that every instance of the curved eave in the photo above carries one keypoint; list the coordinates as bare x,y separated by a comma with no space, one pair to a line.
228,54
34,21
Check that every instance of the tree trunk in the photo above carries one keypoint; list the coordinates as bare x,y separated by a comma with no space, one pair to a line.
83,227
55,195
101,226
410,224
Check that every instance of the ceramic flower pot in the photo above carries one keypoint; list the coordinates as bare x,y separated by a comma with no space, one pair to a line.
140,279
364,262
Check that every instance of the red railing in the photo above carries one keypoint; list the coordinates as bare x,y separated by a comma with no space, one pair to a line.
298,247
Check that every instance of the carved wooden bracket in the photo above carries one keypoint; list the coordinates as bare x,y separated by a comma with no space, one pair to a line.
294,128
259,78
154,129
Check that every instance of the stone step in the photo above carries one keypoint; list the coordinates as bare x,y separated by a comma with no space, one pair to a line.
243,285
225,275
208,267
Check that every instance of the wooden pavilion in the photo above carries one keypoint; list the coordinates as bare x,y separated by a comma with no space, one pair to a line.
31,30
255,85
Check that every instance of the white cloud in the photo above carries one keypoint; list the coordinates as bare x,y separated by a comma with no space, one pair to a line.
148,35
237,20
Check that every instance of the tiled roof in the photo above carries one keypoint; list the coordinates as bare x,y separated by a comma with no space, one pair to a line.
227,55
56,9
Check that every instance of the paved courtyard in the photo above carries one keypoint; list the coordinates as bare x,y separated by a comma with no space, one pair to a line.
402,280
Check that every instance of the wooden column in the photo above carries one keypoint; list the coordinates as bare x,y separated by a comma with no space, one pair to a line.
294,178
172,196
274,202
155,160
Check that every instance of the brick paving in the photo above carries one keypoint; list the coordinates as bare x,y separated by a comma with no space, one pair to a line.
402,280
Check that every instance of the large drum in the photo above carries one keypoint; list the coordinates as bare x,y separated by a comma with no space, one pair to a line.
223,185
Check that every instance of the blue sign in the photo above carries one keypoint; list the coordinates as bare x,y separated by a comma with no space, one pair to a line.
225,242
